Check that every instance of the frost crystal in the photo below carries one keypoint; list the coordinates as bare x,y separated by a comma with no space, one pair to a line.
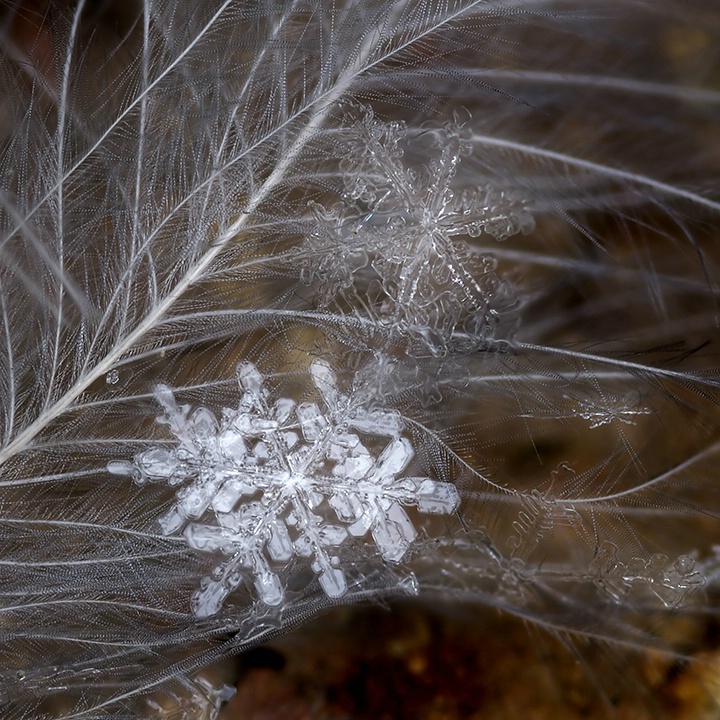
541,514
612,409
259,486
395,230
670,581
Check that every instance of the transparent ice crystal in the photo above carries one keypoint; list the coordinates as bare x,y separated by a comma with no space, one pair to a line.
393,235
611,409
273,482
670,580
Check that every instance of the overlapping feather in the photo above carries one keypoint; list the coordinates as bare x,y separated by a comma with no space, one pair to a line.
160,174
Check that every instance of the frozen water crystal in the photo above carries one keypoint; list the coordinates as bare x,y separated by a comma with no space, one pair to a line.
670,581
399,223
273,481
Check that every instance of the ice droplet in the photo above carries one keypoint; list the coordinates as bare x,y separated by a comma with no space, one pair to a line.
268,586
112,377
157,463
437,498
393,533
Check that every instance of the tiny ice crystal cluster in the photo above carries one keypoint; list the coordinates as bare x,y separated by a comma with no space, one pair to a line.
271,472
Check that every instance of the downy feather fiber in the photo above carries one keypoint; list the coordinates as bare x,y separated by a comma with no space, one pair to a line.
306,303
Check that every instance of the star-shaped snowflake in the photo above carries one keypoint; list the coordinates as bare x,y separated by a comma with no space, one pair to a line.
273,481
393,236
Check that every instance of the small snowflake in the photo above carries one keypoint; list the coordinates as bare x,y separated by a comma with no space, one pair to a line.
393,234
259,486
671,581
541,513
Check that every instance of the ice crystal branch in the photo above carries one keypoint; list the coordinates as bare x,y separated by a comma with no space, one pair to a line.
541,513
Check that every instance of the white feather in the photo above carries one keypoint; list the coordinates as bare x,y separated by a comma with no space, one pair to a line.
179,198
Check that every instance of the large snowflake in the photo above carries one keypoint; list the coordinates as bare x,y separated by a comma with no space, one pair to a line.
273,481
